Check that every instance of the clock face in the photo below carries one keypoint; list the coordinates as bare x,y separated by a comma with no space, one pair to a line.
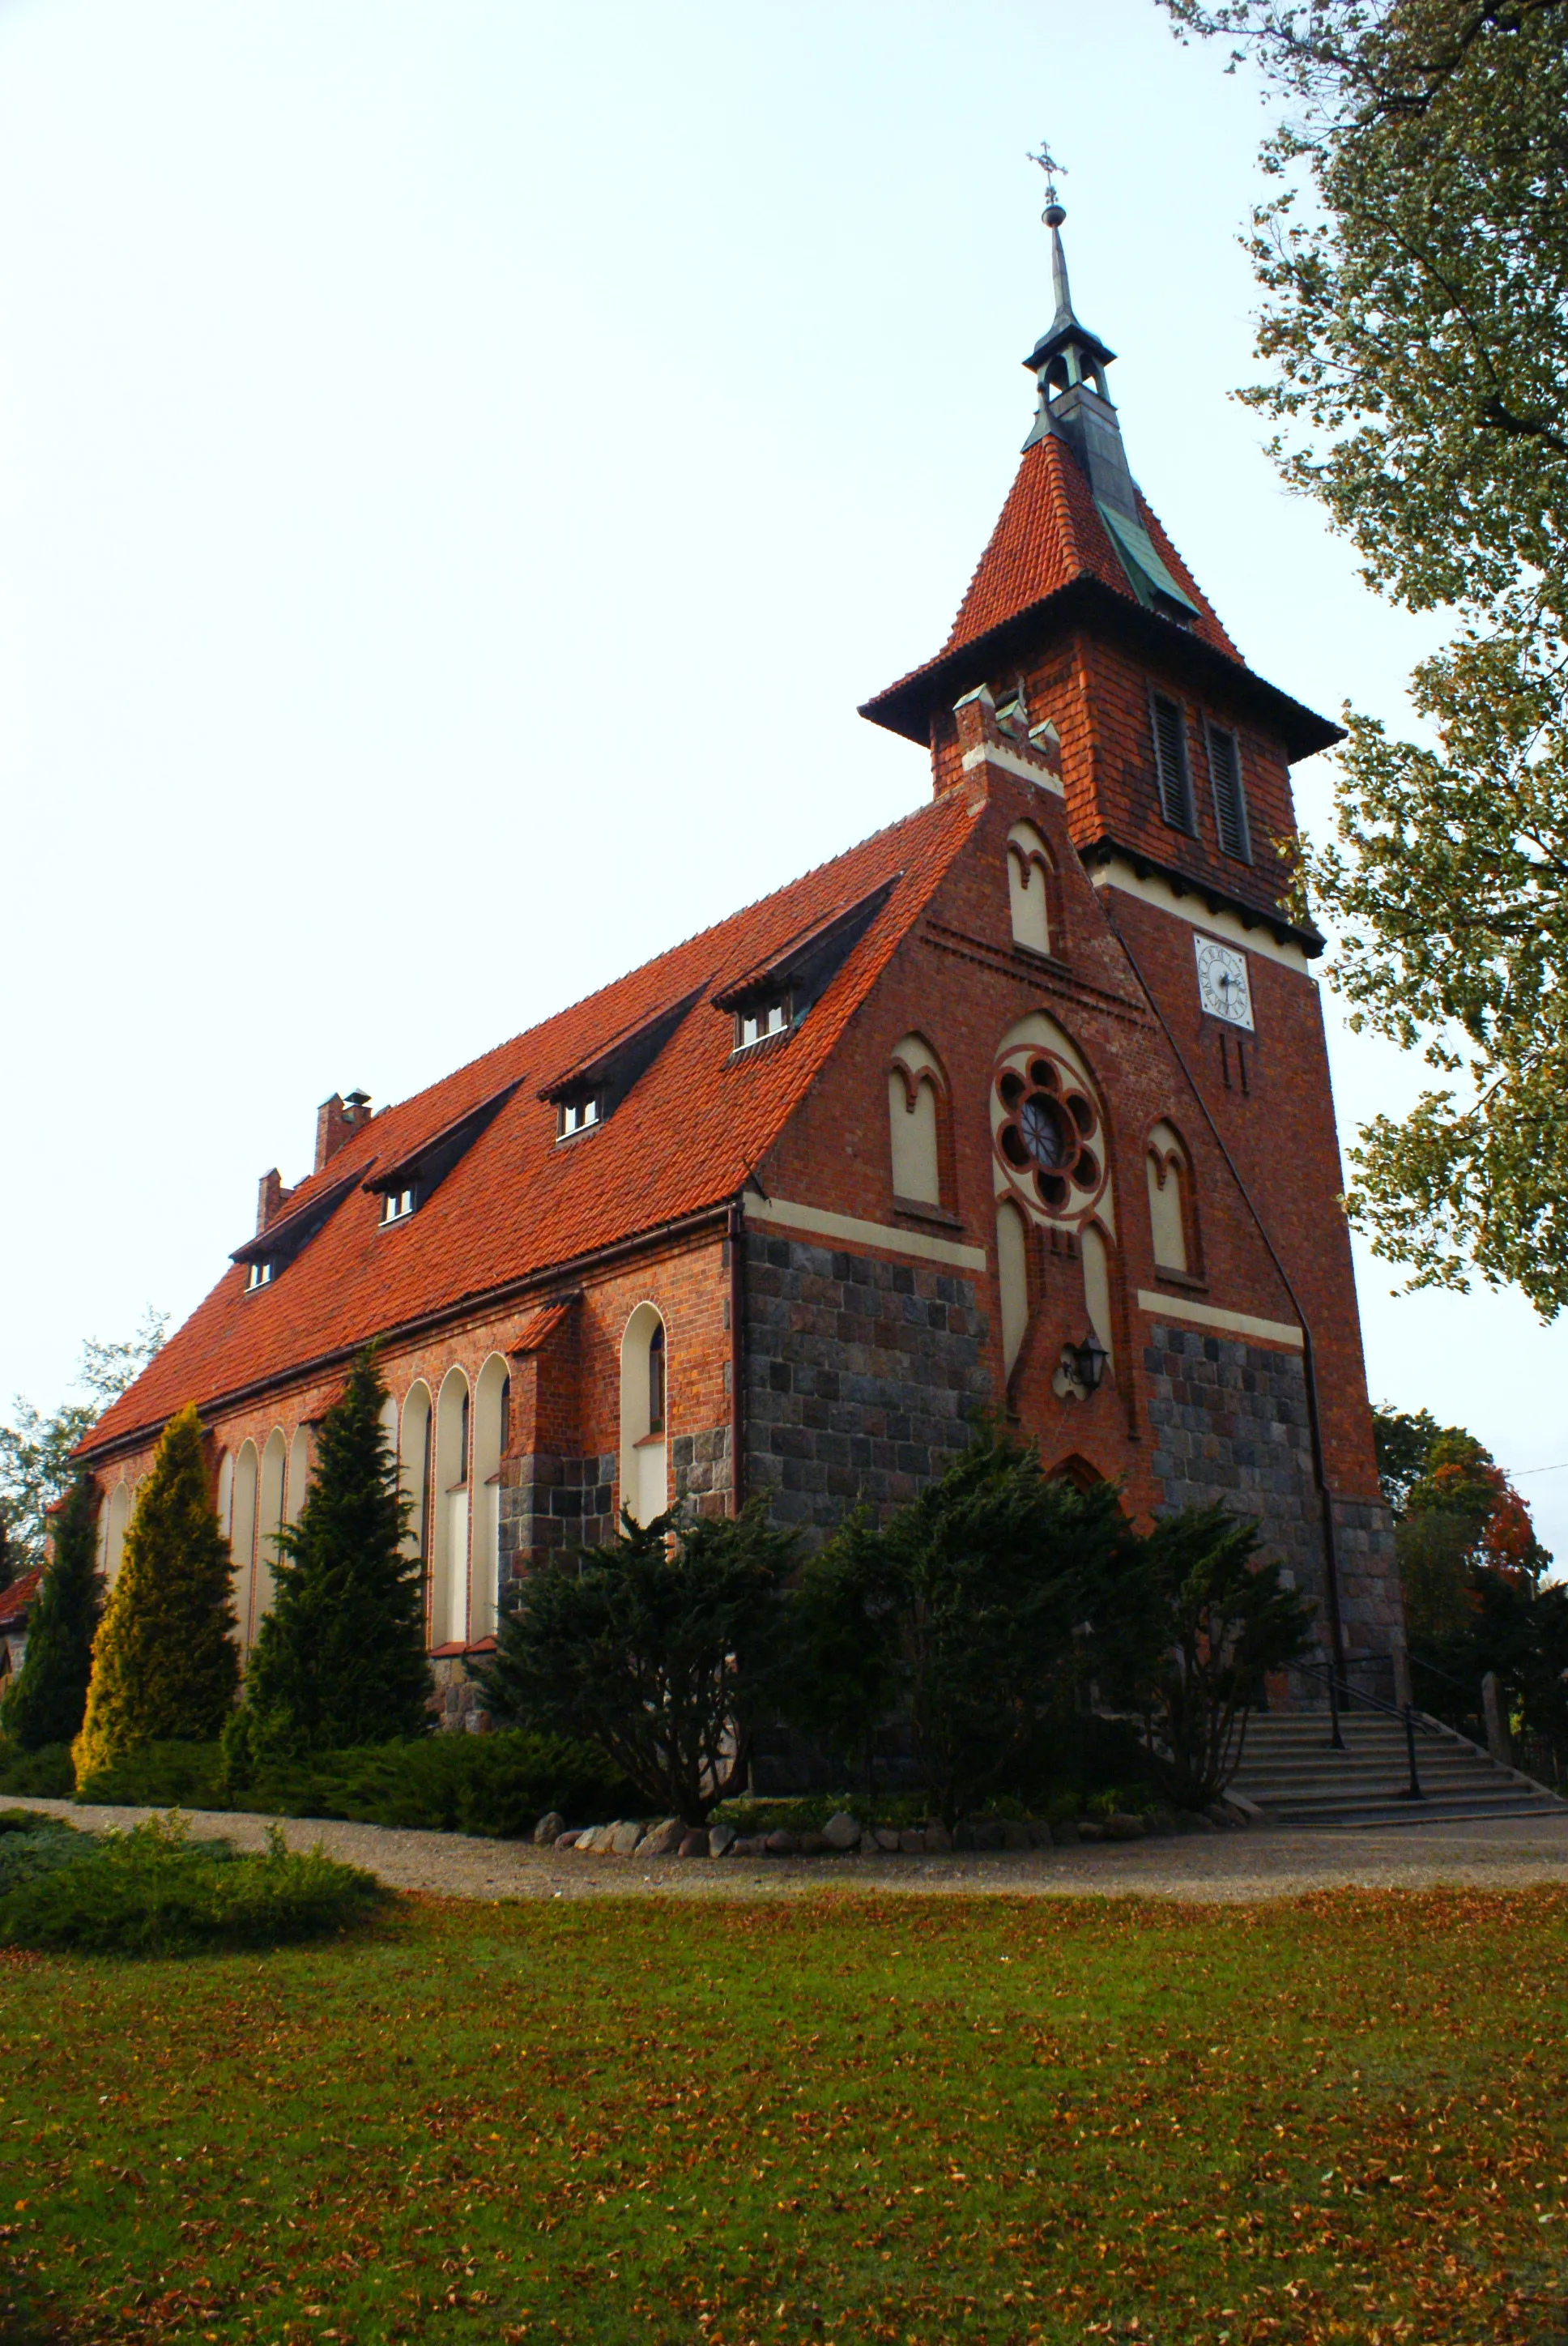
1222,985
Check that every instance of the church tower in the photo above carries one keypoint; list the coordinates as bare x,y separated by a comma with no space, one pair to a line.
1083,650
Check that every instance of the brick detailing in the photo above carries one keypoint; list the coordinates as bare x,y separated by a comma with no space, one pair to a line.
861,1377
700,1471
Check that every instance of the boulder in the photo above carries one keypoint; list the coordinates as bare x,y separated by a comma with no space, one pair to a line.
588,1840
693,1844
911,1841
988,1834
662,1840
720,1840
812,1844
548,1830
964,1837
1090,1829
1040,1834
938,1840
1160,1824
624,1838
779,1844
1066,1834
1122,1827
1189,1821
748,1845
887,1839
1247,1810
1218,1814
1015,1834
566,1840
841,1832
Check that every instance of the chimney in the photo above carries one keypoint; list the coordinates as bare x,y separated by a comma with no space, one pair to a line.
270,1200
337,1121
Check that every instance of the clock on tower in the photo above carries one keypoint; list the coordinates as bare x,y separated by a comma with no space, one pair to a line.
1222,985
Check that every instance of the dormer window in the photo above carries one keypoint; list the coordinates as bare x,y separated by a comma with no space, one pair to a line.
398,1204
763,1018
259,1274
269,1254
580,1114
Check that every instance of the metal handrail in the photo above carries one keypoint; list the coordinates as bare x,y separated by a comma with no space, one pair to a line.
1407,1712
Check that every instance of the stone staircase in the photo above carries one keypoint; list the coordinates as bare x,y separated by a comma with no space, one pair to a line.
1292,1771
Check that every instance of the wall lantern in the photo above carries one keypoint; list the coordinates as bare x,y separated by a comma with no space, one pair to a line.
1082,1369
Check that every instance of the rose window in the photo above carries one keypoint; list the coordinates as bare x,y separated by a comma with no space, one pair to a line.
1048,1134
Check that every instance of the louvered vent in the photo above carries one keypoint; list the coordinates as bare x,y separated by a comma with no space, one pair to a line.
1229,794
1170,757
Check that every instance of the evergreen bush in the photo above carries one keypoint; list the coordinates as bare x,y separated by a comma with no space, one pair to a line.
497,1785
46,1775
47,1702
339,1660
159,1775
165,1662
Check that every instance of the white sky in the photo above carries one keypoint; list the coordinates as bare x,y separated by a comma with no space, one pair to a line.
461,463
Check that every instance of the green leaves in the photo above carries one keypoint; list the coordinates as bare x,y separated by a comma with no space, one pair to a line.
663,1649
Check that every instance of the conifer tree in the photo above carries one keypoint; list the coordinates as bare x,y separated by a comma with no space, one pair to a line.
165,1662
339,1659
46,1703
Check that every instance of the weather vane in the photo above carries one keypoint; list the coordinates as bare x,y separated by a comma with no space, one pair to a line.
1050,166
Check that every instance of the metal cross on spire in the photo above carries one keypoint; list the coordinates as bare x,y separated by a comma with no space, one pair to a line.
1050,166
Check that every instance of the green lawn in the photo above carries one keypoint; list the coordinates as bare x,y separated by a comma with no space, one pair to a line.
1342,2117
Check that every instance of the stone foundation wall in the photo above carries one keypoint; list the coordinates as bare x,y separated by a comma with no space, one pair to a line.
1229,1421
699,1471
861,1377
550,1504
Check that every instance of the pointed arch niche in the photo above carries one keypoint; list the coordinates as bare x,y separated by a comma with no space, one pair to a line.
492,1396
450,1511
117,1516
298,1473
1012,1273
414,1470
917,1121
1032,890
1173,1208
242,1535
645,1372
270,1521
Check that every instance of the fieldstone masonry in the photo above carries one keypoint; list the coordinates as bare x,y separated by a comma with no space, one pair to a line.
549,1504
861,1377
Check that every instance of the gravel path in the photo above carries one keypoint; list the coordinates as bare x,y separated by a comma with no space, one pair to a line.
1506,1853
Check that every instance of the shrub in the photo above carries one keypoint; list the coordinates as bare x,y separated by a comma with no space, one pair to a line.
46,1703
46,1775
338,1659
165,1663
153,1891
663,1650
499,1785
159,1775
31,1844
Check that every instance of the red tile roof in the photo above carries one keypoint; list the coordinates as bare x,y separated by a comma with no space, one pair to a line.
521,1203
537,1330
14,1600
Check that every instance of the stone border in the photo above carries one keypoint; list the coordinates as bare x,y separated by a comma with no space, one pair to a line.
844,1836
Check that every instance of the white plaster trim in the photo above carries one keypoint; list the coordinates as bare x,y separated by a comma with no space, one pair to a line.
1257,939
855,1232
1013,761
1207,1315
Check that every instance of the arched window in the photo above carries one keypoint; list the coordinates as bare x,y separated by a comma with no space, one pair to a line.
414,1469
491,1396
1172,1210
645,1477
917,1091
269,1523
449,1561
242,1536
225,1494
1030,887
1012,1273
298,1472
117,1516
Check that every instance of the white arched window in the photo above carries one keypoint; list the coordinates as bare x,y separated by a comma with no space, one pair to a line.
298,1473
491,1396
242,1535
414,1469
226,1494
1012,1273
915,1089
449,1513
645,1372
116,1516
269,1523
1170,1200
1030,875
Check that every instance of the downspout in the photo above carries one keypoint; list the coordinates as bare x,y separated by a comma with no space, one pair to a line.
737,1351
1309,1359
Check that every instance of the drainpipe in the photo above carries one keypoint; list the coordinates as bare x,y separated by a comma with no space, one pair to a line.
736,1350
1309,1361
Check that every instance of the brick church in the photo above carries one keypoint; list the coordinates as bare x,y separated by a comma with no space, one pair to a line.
1021,1106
